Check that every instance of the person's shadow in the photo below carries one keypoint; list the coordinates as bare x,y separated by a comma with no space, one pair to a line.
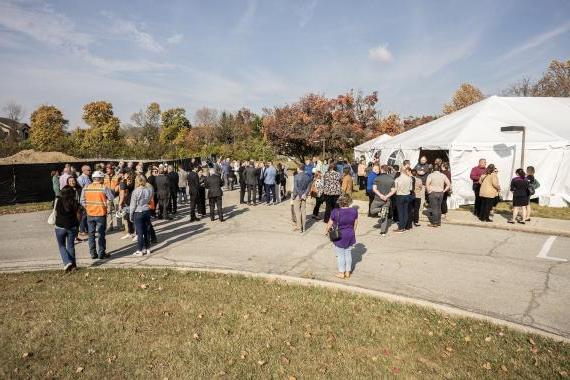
358,251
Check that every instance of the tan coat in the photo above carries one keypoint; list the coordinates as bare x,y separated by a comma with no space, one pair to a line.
489,185
347,184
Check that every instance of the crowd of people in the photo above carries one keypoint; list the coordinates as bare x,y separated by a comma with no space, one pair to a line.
131,196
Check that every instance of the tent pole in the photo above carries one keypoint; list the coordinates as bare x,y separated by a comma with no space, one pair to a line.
522,150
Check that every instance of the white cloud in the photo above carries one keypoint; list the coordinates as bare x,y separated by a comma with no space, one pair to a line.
43,24
307,12
537,40
176,38
380,54
131,31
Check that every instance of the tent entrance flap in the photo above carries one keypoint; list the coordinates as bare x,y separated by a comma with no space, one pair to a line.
431,155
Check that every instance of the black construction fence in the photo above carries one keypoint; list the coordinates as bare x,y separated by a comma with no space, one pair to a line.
26,183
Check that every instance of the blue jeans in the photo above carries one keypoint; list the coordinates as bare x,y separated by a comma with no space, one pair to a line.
269,193
142,226
344,258
99,224
66,243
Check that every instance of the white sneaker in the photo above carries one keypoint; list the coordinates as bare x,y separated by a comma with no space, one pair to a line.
126,236
135,238
147,251
138,253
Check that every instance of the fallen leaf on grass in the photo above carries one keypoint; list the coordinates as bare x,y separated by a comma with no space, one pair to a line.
285,360
386,353
467,338
430,333
531,341
488,339
79,369
487,365
292,378
534,350
261,363
90,351
563,373
243,354
448,349
395,370
111,359
143,286
27,354
200,316
196,336
504,368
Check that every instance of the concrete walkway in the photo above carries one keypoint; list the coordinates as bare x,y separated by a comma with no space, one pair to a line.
489,272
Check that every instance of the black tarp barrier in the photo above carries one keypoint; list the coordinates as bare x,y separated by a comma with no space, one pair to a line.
26,183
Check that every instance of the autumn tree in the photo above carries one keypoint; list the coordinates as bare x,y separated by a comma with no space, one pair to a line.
173,122
148,120
102,137
390,125
466,95
206,117
47,128
412,122
555,81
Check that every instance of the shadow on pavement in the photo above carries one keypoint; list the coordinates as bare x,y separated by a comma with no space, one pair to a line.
358,251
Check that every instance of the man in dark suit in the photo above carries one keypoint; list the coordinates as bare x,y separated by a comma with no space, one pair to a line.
242,185
214,186
250,174
173,184
163,193
194,190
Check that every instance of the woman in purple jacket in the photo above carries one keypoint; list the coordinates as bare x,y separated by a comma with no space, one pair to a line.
346,218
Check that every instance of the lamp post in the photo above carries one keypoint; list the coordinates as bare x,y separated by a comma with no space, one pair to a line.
323,140
517,128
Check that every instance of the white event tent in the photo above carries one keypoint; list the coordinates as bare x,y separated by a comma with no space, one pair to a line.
367,149
474,132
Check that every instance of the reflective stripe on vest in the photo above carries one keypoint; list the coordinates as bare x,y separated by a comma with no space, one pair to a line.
95,199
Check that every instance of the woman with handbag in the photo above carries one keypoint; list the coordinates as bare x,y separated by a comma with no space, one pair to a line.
341,230
520,186
67,215
488,192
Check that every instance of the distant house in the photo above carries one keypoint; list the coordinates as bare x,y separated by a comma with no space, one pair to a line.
11,129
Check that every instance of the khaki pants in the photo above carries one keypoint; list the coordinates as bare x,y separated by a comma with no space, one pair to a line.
300,206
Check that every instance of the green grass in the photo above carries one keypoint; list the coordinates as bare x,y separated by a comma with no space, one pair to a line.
506,208
113,323
25,207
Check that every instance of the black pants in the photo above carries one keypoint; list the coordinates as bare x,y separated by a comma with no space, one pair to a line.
403,206
444,204
193,202
201,201
485,208
477,208
163,205
260,192
330,203
251,194
417,205
216,202
173,201
318,202
370,199
362,182
411,208
242,188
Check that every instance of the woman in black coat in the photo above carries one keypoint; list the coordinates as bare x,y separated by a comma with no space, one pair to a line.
520,186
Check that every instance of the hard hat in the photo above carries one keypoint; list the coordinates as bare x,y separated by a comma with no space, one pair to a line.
98,174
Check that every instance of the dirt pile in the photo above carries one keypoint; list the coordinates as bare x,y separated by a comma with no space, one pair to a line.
32,157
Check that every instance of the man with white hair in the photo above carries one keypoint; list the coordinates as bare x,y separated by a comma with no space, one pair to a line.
213,184
95,198
64,176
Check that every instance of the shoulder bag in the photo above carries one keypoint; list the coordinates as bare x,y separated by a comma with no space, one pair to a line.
334,232
51,217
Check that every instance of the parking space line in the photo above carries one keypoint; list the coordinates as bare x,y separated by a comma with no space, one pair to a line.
543,254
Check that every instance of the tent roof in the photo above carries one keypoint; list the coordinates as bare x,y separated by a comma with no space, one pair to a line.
547,122
368,145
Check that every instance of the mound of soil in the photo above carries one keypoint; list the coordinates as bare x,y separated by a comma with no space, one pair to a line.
32,157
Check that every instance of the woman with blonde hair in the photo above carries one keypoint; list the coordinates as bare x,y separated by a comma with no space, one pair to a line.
139,213
488,192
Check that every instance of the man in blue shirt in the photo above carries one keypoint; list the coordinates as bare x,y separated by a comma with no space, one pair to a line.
301,188
269,183
309,168
369,185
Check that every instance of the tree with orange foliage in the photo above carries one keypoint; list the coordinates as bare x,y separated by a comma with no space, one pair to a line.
466,95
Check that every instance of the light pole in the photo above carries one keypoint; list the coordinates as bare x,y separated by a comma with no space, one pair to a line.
517,128
323,140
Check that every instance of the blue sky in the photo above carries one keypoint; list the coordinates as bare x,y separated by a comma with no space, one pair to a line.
233,54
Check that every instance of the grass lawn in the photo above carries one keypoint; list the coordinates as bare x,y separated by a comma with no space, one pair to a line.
539,211
113,323
25,207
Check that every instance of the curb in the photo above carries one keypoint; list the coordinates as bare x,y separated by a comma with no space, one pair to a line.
439,307
362,206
